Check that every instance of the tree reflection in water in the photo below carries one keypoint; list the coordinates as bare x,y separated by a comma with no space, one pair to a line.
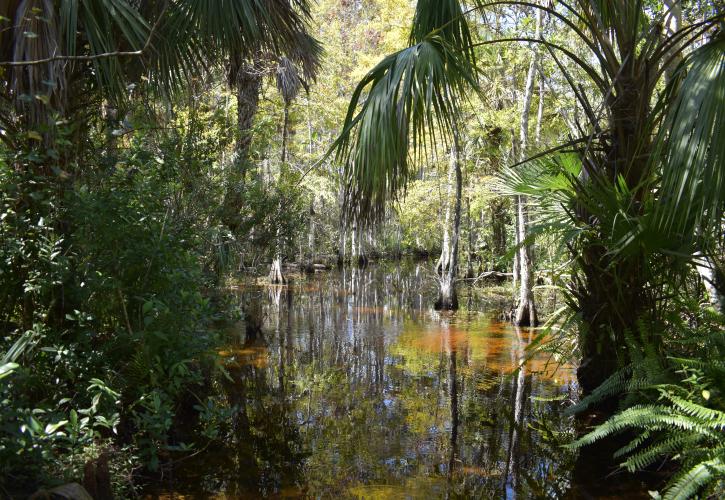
358,389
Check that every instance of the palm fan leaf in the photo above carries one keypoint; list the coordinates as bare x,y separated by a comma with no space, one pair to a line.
287,79
406,104
691,147
412,98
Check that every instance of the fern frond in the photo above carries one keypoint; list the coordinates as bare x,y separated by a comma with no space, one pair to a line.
713,365
644,417
711,418
634,444
667,447
632,417
690,482
615,384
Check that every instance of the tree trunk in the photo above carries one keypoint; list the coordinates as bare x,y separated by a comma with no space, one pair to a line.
469,264
246,77
707,271
673,23
447,267
526,310
311,236
275,273
353,244
499,219
446,244
285,126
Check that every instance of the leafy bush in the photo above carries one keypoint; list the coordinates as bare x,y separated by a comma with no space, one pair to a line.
107,328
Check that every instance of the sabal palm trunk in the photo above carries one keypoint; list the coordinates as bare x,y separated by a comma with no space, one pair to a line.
247,79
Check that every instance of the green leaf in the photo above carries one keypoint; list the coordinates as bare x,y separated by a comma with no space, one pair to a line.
8,369
52,428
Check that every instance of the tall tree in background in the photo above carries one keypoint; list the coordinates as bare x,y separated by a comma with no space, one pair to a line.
447,265
525,314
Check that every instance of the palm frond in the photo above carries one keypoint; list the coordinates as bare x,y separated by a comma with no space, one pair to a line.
406,104
287,79
446,19
691,147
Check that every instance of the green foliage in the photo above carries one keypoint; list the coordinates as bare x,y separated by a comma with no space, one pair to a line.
692,143
103,306
419,215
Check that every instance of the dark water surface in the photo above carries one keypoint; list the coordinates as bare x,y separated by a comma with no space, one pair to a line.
359,390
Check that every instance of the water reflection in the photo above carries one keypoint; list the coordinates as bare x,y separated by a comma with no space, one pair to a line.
358,389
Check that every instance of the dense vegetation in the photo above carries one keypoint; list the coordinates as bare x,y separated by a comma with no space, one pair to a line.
149,151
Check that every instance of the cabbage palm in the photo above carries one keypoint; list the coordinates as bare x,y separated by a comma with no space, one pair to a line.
58,50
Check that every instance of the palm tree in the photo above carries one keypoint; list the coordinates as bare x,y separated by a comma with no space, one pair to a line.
59,59
632,156
294,68
52,53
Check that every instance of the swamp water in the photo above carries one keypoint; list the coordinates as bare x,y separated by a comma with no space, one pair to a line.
358,389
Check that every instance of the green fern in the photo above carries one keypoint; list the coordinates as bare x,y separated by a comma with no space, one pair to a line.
687,484
714,418
614,385
667,447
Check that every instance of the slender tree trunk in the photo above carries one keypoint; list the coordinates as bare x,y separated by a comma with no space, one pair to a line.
517,242
447,266
285,126
540,110
469,264
353,244
309,126
706,269
275,273
446,244
673,23
311,236
342,251
342,239
526,310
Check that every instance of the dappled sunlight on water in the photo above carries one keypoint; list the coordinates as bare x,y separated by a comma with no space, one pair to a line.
358,389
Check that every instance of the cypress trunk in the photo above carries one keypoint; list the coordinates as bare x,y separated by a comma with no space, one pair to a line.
447,267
